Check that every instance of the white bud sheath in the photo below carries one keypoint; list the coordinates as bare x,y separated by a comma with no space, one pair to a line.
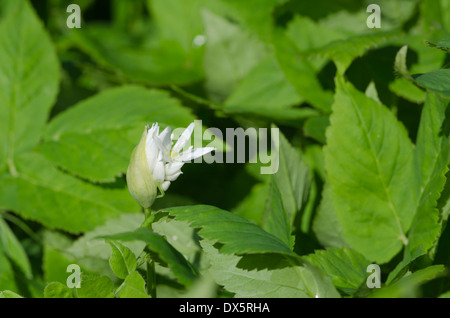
154,163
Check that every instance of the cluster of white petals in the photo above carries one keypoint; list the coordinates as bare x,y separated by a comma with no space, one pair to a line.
165,160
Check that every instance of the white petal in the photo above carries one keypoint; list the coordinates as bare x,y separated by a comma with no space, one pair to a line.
184,138
173,177
165,151
152,152
194,153
165,185
173,168
164,136
159,171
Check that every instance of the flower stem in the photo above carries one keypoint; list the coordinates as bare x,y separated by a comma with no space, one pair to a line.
151,273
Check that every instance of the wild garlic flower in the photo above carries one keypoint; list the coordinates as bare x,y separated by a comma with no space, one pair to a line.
154,163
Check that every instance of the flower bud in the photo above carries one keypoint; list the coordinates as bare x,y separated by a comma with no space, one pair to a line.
141,184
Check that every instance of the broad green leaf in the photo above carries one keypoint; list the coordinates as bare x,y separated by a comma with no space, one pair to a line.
181,268
283,281
94,139
133,287
9,294
407,90
230,53
57,290
276,218
431,160
265,91
293,178
326,225
122,260
12,247
93,286
28,82
346,268
45,194
238,235
445,295
436,81
54,265
369,159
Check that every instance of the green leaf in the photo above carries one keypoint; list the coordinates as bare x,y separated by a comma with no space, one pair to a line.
181,268
443,44
431,160
276,219
253,206
409,285
93,286
293,178
343,52
29,81
57,290
236,233
76,138
154,60
436,81
315,127
122,260
346,268
230,53
90,246
264,91
369,159
12,247
9,294
326,225
45,194
300,72
283,280
133,287
7,280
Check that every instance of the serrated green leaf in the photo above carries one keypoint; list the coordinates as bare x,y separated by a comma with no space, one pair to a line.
181,268
369,159
282,281
122,260
12,247
238,235
443,44
29,81
346,268
98,149
57,290
293,178
436,81
431,160
133,287
44,194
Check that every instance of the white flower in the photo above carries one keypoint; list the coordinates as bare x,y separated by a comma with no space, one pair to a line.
155,163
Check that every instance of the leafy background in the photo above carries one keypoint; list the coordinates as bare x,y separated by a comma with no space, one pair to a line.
364,147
